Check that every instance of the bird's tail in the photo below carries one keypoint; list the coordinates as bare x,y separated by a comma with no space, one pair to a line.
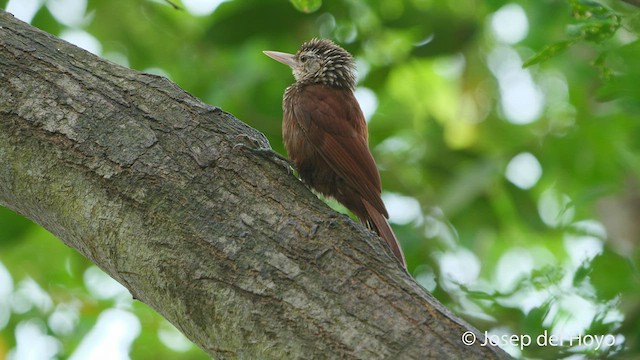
380,224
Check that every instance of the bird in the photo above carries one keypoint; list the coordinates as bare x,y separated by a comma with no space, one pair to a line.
325,134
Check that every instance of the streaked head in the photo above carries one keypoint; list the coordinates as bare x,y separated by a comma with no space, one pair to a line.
320,61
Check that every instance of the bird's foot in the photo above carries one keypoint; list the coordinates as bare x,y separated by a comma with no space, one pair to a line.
265,152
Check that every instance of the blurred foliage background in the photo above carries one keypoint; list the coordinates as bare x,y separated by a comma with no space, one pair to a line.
514,190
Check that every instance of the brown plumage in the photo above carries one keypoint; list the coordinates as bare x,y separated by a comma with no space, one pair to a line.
326,135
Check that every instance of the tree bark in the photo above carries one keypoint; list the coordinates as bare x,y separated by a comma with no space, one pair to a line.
145,181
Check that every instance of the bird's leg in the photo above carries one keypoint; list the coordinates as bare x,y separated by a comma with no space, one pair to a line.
268,153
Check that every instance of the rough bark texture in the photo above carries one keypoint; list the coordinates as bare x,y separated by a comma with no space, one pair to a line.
143,179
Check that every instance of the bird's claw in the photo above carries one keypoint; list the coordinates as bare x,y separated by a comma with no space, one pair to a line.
255,143
265,152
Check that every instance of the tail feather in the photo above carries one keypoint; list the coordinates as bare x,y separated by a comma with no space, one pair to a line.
380,224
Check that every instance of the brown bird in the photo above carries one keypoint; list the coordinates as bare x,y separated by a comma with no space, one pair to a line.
326,135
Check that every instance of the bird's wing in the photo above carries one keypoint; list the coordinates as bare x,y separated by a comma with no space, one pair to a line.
333,123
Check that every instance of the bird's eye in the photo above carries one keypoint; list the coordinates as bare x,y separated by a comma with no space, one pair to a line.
304,58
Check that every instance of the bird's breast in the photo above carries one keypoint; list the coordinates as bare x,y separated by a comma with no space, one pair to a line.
299,149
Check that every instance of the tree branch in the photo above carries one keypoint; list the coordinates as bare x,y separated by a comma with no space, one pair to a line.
143,179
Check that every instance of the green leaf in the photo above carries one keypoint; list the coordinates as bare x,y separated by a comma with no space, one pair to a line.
596,23
306,6
548,52
584,9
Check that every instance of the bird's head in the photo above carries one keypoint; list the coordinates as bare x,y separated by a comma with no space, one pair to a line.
320,61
